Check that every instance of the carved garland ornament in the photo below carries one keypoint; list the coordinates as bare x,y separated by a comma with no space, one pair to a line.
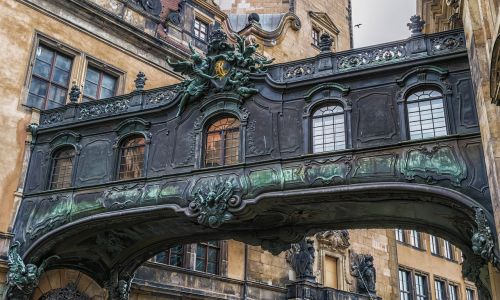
482,239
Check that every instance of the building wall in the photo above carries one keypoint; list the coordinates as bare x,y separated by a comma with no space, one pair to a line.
481,23
254,6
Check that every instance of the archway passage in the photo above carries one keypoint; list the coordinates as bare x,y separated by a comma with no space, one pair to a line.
400,148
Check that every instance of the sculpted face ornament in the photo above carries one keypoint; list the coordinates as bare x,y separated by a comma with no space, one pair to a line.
225,68
212,203
482,239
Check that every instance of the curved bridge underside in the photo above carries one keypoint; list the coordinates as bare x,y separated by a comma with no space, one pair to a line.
120,241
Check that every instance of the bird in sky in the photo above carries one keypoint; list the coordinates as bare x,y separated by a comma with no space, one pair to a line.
358,25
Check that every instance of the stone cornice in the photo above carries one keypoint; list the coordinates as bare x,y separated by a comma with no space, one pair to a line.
324,20
211,7
269,38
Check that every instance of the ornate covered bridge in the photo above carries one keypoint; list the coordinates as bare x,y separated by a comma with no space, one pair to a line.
378,137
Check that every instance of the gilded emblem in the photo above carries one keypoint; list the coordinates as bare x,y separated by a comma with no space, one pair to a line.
221,68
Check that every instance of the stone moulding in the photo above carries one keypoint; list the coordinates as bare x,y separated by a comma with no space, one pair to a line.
269,38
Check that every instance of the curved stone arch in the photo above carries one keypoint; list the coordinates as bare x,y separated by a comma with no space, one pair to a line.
441,211
420,78
71,283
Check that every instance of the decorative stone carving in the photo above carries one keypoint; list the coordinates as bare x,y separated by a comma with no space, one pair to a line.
74,93
161,97
70,292
482,239
335,239
254,18
299,71
301,257
363,269
23,279
416,25
325,42
153,7
119,289
212,202
223,69
94,110
448,43
33,130
140,81
372,57
52,118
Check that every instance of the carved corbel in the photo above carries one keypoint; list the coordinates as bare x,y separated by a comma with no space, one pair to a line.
119,286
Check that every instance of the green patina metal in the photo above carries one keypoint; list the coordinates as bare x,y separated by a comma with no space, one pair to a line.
225,68
326,172
49,214
260,179
22,279
212,202
293,175
440,160
375,166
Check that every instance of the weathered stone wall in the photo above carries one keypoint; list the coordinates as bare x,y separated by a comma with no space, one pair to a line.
481,23
380,243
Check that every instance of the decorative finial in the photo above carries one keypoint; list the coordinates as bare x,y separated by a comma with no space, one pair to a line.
325,42
74,93
140,81
416,25
254,18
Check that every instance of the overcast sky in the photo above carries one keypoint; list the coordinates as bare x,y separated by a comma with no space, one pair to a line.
382,20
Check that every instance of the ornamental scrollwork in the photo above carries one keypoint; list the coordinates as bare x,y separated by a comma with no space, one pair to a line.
299,71
372,57
22,279
224,68
212,202
52,118
448,43
69,292
97,110
482,238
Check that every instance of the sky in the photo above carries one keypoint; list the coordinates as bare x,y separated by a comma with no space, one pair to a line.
382,20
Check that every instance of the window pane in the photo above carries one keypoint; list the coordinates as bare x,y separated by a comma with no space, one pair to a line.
426,118
222,142
90,90
92,75
39,87
62,169
44,54
108,82
63,62
328,129
131,158
57,95
60,76
42,69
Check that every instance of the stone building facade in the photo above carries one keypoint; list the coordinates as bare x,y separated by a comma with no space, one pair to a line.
481,22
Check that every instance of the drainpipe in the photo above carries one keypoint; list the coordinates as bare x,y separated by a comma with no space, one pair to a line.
245,275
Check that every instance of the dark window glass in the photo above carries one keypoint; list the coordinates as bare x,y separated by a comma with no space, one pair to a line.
400,235
404,285
426,118
470,294
328,129
98,85
421,287
174,256
415,238
200,29
434,245
131,158
440,290
222,142
49,79
207,257
62,168
315,36
452,292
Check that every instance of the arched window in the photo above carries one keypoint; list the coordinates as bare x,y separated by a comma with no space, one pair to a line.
222,142
328,129
131,163
62,168
426,118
